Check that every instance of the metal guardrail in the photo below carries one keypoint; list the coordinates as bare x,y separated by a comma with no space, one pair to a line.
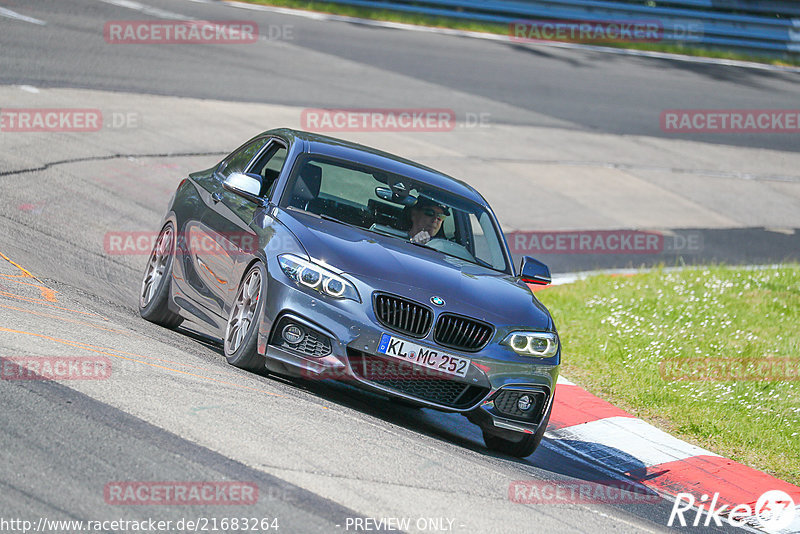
762,26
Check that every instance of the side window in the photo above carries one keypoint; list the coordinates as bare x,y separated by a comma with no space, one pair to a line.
238,161
269,167
486,245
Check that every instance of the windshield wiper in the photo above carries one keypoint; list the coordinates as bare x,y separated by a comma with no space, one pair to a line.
477,261
423,246
334,219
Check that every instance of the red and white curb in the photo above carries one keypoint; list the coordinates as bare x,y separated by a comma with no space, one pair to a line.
599,432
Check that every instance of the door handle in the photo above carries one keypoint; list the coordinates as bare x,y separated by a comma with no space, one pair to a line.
216,197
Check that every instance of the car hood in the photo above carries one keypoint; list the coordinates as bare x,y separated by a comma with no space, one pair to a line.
393,265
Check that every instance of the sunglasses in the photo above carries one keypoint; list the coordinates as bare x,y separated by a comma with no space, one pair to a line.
428,212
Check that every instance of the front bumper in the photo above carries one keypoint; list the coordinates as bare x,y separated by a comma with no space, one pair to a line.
483,395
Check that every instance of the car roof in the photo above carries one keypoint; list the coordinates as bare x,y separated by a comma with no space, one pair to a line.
339,148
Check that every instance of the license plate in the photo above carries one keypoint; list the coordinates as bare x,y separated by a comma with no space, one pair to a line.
423,356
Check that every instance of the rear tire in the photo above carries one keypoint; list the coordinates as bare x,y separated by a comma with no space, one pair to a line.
523,448
154,293
241,332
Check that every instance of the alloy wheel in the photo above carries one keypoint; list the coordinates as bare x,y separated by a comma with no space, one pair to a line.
156,266
243,312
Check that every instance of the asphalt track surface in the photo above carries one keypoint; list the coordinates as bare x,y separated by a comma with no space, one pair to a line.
596,91
321,454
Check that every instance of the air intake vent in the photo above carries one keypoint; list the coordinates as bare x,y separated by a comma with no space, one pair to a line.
307,340
507,403
404,316
462,333
416,382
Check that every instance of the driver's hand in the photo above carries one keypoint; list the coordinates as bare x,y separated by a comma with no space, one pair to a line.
421,238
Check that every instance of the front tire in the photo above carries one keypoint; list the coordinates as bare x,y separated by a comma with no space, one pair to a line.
241,332
154,293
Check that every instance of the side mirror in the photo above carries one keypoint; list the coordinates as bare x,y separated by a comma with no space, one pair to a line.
532,271
245,185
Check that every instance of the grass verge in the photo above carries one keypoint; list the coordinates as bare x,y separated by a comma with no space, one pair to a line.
616,331
502,29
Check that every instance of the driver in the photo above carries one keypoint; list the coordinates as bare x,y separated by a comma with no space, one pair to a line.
427,216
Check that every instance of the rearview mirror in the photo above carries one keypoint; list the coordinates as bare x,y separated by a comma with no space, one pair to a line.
388,195
245,185
532,271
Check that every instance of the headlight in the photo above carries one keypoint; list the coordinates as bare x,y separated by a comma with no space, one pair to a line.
318,278
536,344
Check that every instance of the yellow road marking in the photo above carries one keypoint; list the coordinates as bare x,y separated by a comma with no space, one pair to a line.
42,302
47,293
75,321
49,296
85,346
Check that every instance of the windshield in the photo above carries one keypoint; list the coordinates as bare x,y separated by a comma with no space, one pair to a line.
397,206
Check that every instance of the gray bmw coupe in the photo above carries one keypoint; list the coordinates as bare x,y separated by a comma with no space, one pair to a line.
315,257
